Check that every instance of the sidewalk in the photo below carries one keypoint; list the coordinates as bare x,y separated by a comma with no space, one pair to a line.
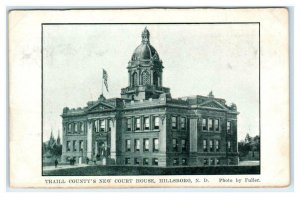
249,163
67,166
48,168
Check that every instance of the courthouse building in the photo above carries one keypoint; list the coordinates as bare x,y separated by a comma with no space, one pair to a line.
147,127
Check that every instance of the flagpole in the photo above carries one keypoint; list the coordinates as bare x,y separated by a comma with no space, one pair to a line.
102,84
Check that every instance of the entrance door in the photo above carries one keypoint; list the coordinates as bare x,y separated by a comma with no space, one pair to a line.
103,152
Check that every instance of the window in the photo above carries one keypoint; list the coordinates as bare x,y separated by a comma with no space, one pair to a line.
175,145
70,127
74,145
228,127
136,161
134,79
127,160
137,124
76,127
155,161
155,79
102,125
212,161
68,146
204,124
81,145
137,145
217,125
175,161
146,123
217,161
229,146
210,124
79,126
146,144
156,122
183,145
217,145
82,126
205,162
184,161
97,125
155,145
145,78
128,124
174,122
146,161
109,125
127,145
211,146
205,145
183,123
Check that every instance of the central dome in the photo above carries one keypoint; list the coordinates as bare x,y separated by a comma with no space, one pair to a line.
145,51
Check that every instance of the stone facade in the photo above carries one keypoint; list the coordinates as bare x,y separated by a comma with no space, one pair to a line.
147,127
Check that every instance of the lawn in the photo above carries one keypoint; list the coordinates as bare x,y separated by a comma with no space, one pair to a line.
135,170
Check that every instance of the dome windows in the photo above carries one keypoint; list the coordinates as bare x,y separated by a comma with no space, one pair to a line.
145,78
134,79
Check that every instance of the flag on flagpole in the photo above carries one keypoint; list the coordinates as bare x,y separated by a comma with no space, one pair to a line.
105,77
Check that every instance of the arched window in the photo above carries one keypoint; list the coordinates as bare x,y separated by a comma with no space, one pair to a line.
155,79
134,79
145,78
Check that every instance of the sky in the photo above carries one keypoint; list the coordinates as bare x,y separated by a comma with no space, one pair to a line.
198,58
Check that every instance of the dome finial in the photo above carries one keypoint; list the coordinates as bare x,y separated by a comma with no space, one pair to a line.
145,36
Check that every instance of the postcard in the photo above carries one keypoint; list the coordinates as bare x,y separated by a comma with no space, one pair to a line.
134,98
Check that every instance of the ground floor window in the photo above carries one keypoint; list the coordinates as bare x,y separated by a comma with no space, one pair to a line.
127,160
212,161
205,162
155,161
217,161
184,161
136,161
146,161
175,161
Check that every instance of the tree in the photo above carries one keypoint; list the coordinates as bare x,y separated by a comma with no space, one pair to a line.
52,147
249,144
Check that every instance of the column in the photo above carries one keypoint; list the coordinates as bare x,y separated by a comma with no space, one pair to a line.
113,142
129,80
96,148
151,77
162,140
193,140
89,139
